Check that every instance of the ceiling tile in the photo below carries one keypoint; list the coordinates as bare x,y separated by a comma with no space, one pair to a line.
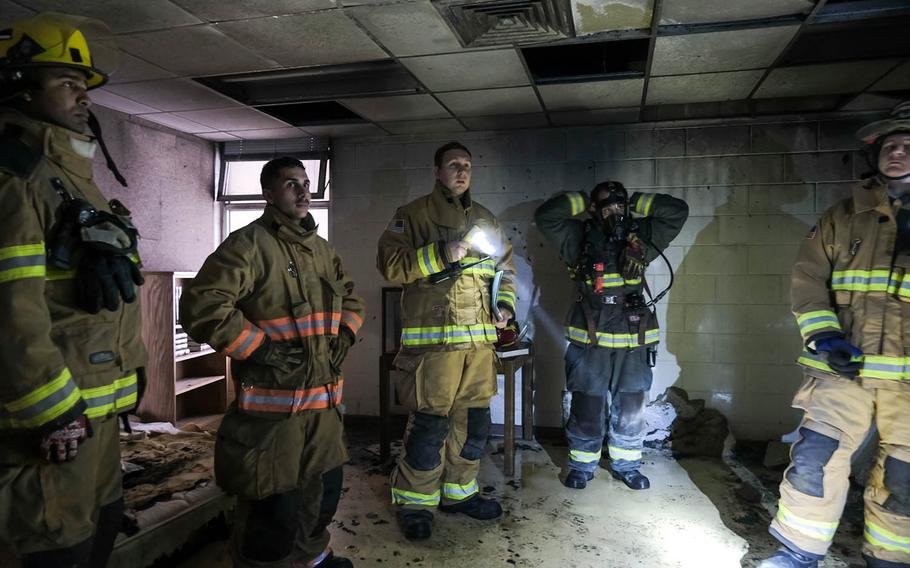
269,133
706,87
12,12
176,122
217,136
423,126
105,98
589,117
405,107
719,51
470,70
595,16
124,17
701,11
824,79
873,101
131,68
230,119
491,102
593,95
220,10
340,130
506,122
318,38
415,28
197,50
172,95
897,80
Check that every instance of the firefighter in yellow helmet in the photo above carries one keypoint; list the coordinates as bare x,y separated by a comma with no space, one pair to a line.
445,249
70,345
851,298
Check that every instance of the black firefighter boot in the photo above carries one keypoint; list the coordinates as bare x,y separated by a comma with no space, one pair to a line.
416,524
633,479
332,561
577,479
476,507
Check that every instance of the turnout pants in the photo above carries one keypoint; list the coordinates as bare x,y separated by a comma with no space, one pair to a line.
67,514
448,393
838,414
597,377
287,475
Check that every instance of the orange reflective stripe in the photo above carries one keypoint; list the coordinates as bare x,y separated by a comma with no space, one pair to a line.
289,401
249,339
352,320
319,323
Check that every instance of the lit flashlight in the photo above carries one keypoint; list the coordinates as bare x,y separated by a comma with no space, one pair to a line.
479,239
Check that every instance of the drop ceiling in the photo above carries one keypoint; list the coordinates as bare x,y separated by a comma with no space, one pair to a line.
260,69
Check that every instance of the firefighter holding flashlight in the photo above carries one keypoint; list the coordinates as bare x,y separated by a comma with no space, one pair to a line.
445,249
612,331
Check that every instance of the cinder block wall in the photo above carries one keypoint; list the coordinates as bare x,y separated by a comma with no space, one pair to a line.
170,193
754,189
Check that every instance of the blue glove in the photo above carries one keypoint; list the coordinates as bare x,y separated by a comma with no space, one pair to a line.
842,356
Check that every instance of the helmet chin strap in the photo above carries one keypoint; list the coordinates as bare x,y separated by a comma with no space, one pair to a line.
95,127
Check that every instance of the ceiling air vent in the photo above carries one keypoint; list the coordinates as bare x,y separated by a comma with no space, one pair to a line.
503,22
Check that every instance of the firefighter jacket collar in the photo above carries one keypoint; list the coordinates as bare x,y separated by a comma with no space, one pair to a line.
871,195
449,211
68,149
289,229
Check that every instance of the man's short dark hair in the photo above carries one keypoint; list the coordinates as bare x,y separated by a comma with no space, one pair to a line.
271,171
441,151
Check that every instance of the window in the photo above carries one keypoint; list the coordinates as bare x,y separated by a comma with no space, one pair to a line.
241,194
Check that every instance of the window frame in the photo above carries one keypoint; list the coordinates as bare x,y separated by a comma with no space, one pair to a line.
324,159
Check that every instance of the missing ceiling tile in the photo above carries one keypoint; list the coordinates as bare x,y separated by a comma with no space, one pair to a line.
589,61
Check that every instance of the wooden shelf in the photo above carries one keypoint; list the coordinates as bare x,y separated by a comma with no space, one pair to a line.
191,383
194,354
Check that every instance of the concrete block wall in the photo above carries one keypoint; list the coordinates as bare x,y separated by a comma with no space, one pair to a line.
754,189
170,193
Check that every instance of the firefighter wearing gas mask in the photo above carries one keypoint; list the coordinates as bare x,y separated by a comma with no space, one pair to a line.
612,331
70,343
850,292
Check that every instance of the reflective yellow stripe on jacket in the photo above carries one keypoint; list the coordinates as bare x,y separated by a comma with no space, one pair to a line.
42,405
615,340
22,261
811,323
447,334
874,366
429,259
870,281
117,397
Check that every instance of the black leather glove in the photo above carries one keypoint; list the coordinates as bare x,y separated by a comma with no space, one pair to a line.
103,279
279,355
340,346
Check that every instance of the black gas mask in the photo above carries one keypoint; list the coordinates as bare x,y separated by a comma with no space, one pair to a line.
610,202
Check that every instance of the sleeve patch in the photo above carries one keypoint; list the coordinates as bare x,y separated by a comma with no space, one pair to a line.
396,226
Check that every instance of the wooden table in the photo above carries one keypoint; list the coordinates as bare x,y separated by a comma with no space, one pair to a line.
507,366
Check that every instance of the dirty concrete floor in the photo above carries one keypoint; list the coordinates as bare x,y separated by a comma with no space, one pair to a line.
690,518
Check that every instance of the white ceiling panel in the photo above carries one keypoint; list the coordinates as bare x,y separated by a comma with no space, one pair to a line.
720,51
318,38
221,10
897,80
707,87
230,119
131,68
340,130
176,122
589,117
506,121
594,16
10,12
415,28
423,126
193,51
121,17
702,11
824,79
489,102
391,109
217,136
469,70
173,95
105,98
593,95
269,133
